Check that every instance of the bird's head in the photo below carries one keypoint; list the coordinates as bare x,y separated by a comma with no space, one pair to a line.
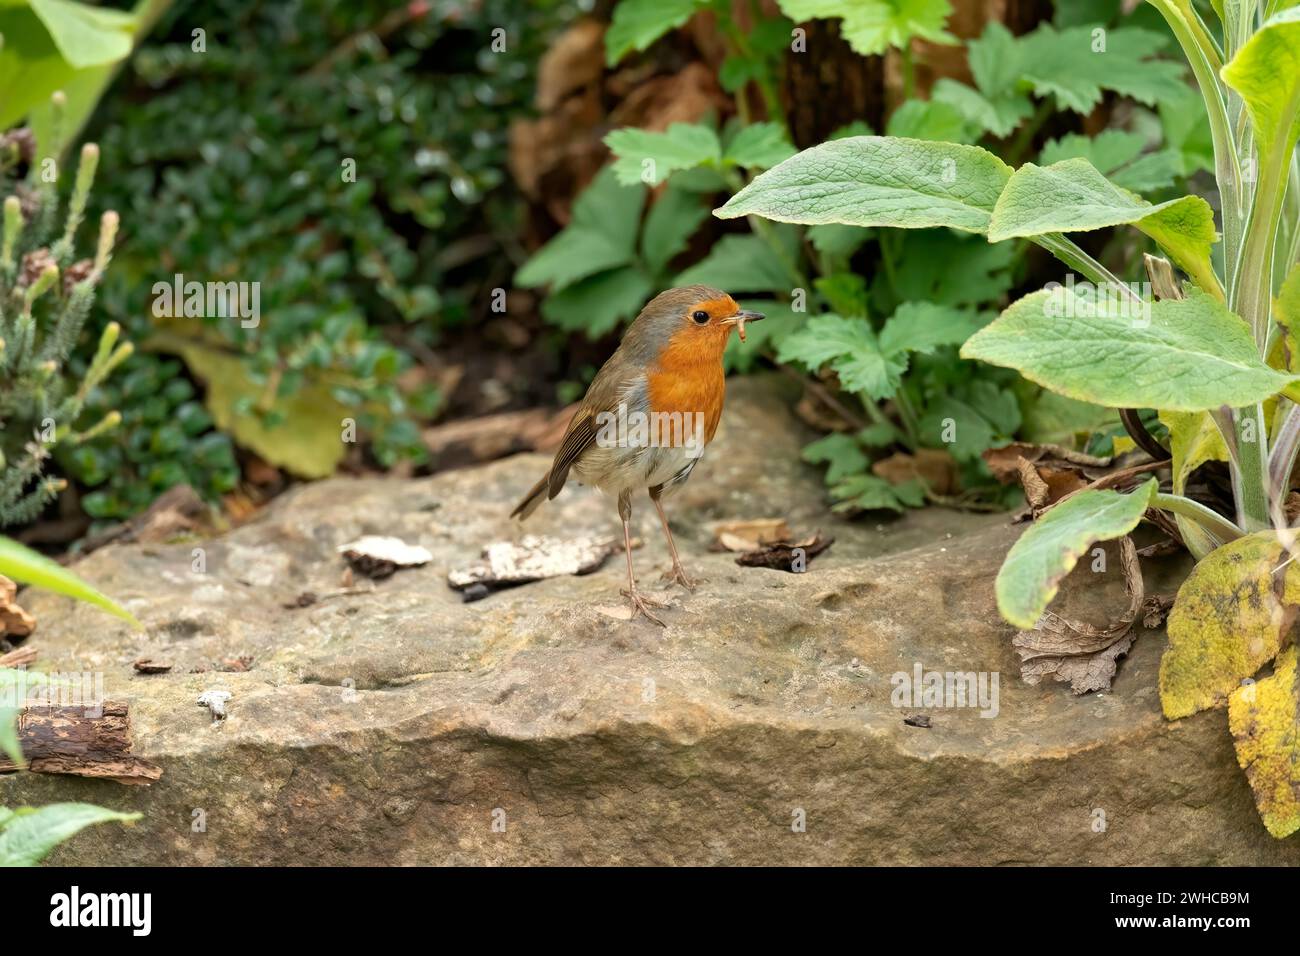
695,319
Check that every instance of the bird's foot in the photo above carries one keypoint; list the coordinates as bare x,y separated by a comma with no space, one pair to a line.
677,575
642,605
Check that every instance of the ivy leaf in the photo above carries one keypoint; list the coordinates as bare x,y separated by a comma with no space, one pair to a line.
739,263
873,26
878,181
650,158
1227,622
1042,557
638,23
599,303
601,235
924,326
759,146
28,834
1072,196
1263,718
669,225
1097,351
841,452
1077,64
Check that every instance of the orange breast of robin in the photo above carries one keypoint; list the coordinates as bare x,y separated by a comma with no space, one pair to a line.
688,377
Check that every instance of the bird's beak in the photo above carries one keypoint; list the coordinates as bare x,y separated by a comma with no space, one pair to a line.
740,318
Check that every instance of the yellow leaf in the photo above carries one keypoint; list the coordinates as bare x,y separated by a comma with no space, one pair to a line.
1229,620
1265,719
1194,439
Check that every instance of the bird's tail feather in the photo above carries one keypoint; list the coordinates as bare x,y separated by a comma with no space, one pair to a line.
531,500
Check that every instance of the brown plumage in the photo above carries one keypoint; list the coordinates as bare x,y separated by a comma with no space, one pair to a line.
667,371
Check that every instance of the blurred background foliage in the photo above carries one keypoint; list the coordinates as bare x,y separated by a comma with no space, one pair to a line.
448,209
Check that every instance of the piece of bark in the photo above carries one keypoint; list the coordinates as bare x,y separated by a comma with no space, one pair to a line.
147,665
1078,652
69,741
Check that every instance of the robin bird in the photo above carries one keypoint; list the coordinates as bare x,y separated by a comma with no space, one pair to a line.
649,412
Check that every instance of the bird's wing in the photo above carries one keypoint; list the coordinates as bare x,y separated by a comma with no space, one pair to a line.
578,437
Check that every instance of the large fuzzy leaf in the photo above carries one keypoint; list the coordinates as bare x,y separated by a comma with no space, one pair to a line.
878,181
1263,718
1191,354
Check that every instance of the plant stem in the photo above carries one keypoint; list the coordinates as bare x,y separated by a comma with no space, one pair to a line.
1210,520
909,70
1074,257
1252,459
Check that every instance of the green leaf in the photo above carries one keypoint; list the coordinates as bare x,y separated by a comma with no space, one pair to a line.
932,119
27,835
739,263
1263,718
974,272
850,346
638,23
1194,439
1227,622
967,428
1191,354
1055,419
1266,72
1118,156
845,293
841,452
26,566
307,441
601,235
832,239
924,326
759,146
85,35
995,60
599,303
873,26
669,225
1072,196
1048,551
1078,63
878,181
870,493
999,116
650,158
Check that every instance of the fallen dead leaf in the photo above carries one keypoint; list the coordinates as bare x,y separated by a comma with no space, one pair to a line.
749,534
378,557
532,558
1077,652
933,466
782,556
15,621
147,665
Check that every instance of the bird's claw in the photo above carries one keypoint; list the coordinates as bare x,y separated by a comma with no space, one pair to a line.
642,605
677,575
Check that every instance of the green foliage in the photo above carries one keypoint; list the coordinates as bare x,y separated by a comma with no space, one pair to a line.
873,26
46,296
22,564
29,834
339,174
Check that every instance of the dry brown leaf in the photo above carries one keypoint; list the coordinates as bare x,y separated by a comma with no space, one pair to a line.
15,621
782,556
933,466
532,558
749,534
1077,652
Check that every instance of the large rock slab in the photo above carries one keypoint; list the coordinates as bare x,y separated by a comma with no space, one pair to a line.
404,726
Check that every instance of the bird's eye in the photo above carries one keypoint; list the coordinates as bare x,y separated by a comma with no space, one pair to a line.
701,317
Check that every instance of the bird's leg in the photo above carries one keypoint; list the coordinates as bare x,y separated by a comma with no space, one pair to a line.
640,603
678,574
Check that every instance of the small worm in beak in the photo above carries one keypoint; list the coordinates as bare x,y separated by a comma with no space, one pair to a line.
742,318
